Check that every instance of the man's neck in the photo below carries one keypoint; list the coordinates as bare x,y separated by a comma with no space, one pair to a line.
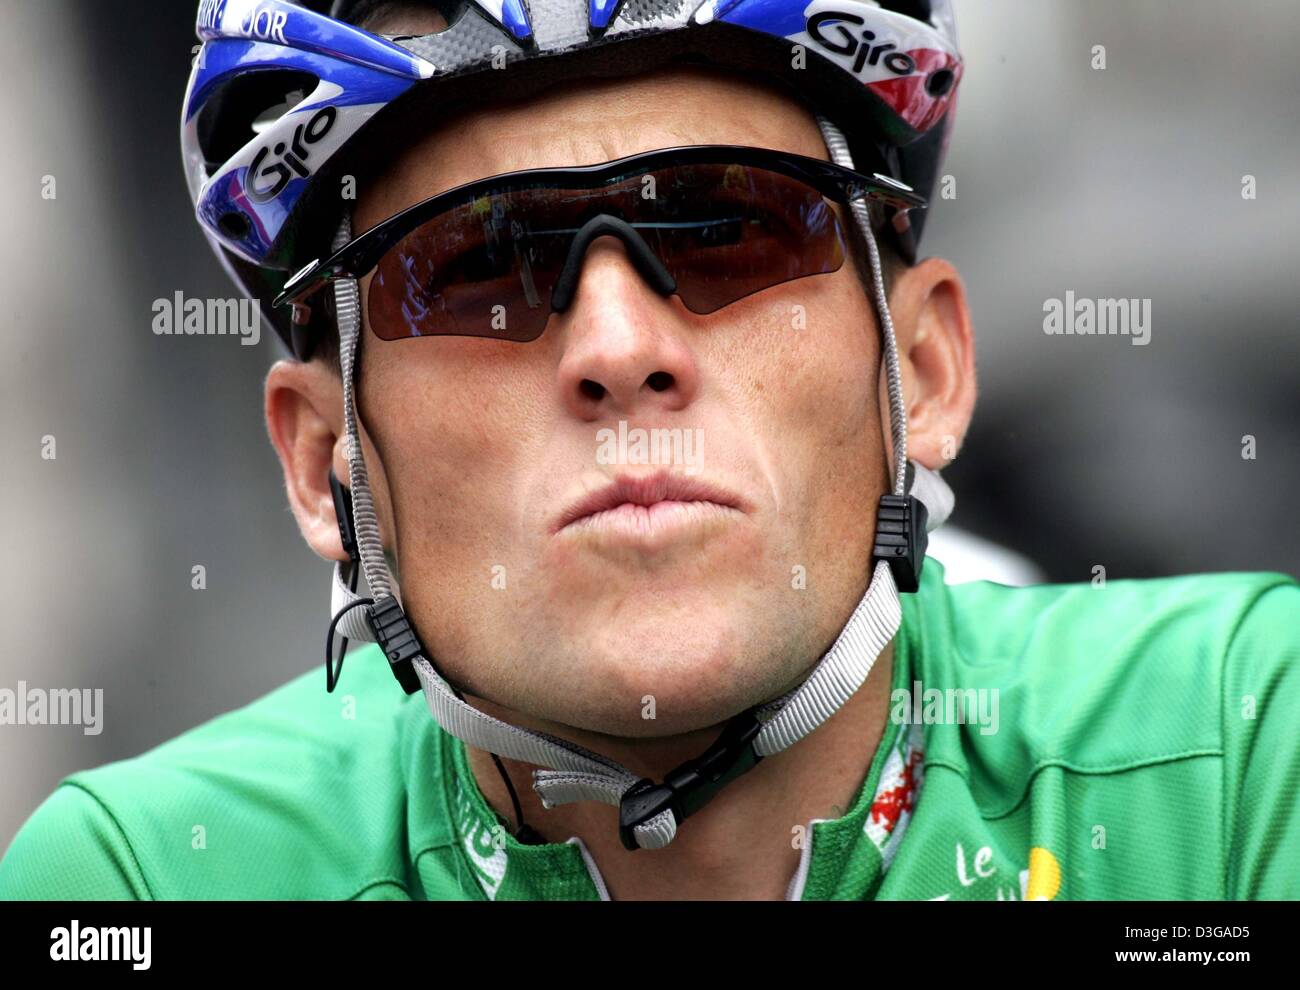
738,847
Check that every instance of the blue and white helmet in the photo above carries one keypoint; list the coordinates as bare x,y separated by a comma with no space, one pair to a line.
286,99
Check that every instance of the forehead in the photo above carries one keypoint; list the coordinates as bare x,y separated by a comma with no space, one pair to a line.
589,121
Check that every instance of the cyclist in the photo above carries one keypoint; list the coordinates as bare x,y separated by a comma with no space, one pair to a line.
643,526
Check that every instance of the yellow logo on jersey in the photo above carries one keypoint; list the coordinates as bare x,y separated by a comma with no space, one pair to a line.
1044,876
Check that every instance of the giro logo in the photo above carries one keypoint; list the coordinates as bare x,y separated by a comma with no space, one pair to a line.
861,47
268,181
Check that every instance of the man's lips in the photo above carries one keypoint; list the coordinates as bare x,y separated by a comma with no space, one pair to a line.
649,499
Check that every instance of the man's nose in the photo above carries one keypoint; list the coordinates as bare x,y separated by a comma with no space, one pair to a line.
626,345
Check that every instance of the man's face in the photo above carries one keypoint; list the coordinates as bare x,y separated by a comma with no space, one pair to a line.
485,445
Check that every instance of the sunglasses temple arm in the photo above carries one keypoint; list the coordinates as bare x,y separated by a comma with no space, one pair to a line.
343,263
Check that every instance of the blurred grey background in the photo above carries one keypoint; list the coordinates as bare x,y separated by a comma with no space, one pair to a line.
1124,182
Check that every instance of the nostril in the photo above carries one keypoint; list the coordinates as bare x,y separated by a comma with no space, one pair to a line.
660,381
591,390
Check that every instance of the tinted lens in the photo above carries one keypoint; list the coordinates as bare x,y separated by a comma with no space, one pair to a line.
728,231
470,272
486,268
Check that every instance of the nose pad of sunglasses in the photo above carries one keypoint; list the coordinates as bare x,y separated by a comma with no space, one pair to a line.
643,259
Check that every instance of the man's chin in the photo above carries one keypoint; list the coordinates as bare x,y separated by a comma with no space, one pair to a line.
614,726
643,693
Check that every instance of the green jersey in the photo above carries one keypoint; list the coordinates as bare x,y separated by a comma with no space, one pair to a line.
1137,740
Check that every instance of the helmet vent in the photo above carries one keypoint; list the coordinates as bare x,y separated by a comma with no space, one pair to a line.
939,82
269,116
245,106
234,226
382,16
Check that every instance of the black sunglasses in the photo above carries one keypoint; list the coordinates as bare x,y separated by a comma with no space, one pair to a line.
494,257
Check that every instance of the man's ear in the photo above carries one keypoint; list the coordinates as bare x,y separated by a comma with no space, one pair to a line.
936,351
304,416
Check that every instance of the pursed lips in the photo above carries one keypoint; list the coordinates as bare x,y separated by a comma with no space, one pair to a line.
643,495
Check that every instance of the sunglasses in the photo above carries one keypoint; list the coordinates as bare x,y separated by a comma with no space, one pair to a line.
495,257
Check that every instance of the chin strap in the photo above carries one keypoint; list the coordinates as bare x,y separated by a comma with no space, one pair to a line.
651,812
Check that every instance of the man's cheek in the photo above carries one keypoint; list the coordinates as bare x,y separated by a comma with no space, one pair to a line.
827,385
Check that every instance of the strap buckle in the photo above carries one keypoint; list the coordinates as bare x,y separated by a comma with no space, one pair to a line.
901,538
397,639
691,786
